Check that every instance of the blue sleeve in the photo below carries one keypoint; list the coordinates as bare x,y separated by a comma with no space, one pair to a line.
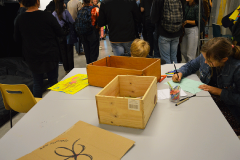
191,67
229,96
69,17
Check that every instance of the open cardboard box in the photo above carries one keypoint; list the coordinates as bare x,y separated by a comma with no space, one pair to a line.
127,101
101,72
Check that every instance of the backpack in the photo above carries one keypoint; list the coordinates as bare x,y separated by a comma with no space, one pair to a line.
172,16
83,22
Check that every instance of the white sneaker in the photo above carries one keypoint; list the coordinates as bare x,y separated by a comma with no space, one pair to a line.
100,47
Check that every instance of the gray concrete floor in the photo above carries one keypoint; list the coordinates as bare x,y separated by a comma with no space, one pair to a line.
79,62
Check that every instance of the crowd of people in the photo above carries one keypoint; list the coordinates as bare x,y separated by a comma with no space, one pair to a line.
169,29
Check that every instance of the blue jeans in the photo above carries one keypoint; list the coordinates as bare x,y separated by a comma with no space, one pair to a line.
168,49
78,45
38,81
118,48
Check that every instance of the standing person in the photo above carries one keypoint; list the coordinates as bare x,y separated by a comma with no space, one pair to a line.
169,27
63,16
120,15
39,43
73,6
150,27
190,39
87,27
219,66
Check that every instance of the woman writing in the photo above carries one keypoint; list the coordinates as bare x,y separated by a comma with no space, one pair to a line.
219,67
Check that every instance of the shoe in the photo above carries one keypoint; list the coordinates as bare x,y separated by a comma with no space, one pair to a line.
60,63
103,38
100,47
81,53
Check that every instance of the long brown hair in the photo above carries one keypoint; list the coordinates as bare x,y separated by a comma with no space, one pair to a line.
219,48
59,8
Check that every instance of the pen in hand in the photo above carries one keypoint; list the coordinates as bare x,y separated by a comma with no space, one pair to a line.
175,69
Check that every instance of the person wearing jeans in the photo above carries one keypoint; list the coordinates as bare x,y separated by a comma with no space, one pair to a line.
167,42
121,23
168,49
189,43
119,48
38,81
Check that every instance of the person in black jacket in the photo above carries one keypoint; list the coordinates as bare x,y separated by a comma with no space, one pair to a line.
167,41
120,16
37,30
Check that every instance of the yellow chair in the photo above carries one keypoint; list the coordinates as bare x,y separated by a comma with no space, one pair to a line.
18,98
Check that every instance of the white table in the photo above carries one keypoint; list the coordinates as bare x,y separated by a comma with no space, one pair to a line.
195,130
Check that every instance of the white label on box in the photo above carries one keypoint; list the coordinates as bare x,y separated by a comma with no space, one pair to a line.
133,104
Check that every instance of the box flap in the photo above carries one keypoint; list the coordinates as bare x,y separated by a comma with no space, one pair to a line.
83,141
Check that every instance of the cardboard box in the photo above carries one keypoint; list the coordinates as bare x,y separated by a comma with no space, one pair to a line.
101,72
117,105
83,141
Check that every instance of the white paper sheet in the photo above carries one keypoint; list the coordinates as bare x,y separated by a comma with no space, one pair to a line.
165,93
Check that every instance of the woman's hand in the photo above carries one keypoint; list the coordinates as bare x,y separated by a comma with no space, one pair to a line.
175,77
212,90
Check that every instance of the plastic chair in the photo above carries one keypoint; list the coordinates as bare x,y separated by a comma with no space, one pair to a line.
18,98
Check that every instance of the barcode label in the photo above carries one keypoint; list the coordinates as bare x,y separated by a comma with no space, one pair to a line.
133,105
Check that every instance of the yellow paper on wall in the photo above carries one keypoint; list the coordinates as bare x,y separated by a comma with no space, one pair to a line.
221,11
234,15
71,85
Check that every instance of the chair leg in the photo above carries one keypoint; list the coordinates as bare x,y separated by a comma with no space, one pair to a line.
11,118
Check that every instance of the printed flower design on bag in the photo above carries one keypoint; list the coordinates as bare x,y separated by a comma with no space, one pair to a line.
74,156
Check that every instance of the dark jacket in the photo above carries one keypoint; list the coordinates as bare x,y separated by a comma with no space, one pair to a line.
50,7
156,17
38,38
120,16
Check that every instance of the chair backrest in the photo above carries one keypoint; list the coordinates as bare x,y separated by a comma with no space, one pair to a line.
17,97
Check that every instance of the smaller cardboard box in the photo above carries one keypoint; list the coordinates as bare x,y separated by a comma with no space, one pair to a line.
127,101
101,72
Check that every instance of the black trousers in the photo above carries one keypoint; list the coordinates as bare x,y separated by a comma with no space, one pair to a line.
66,54
150,28
91,46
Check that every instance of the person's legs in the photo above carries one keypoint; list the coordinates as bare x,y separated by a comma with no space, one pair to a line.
37,84
184,45
164,47
192,43
77,47
70,57
86,46
173,49
127,46
53,76
63,48
150,29
94,46
156,49
117,48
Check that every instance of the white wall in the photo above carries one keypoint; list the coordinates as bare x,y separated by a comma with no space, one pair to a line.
44,3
